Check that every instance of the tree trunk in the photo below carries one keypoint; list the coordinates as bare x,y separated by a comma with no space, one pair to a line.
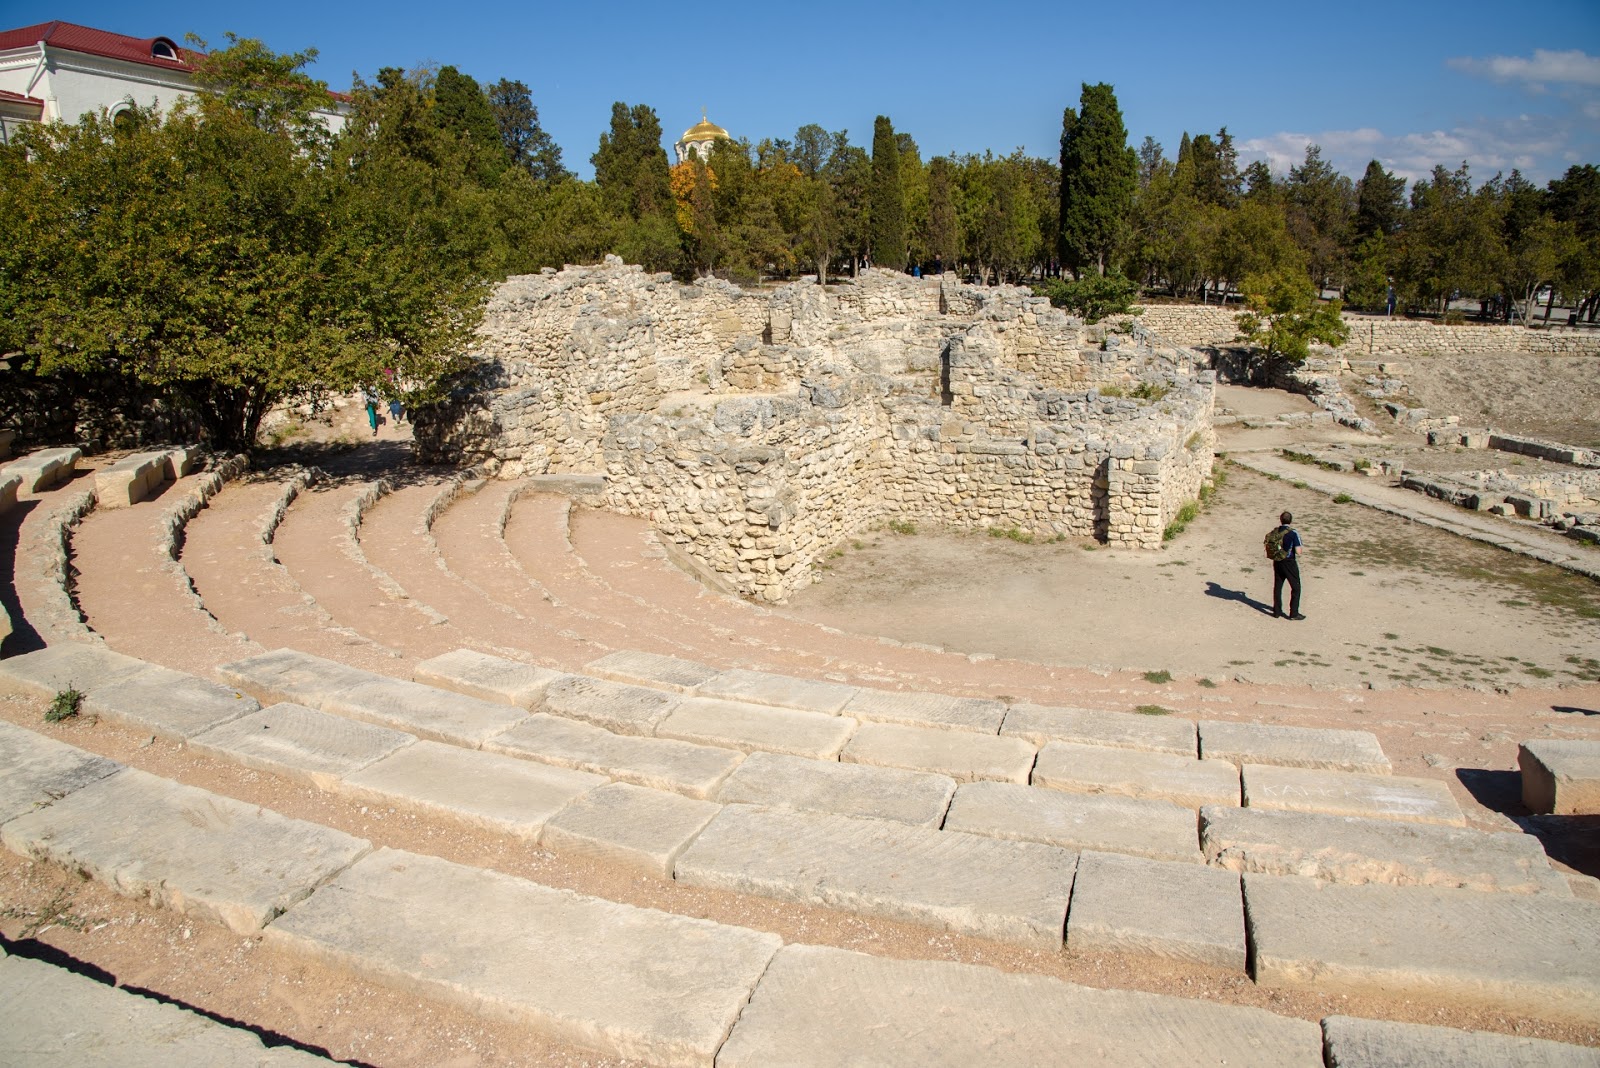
1549,303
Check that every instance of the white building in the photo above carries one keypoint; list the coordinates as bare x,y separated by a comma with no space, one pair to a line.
698,139
60,71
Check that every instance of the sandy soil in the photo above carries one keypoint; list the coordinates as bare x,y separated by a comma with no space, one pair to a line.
1556,397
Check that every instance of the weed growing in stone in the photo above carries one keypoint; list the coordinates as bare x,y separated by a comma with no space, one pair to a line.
902,526
1158,677
1343,498
1016,534
1153,710
64,705
1181,521
1207,683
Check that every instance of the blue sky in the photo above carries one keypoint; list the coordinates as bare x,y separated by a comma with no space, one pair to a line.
1498,85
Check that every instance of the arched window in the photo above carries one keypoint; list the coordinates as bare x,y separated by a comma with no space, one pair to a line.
161,48
124,118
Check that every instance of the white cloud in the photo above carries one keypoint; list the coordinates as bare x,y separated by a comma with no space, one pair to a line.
1570,67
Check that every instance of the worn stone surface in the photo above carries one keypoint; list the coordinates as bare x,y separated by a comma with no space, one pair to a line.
938,1014
1560,776
301,743
489,678
629,826
186,849
1185,912
963,756
1007,891
1384,797
777,781
762,688
1347,849
741,725
290,675
650,669
1519,953
44,468
659,763
616,706
626,981
69,665
51,1016
927,710
424,711
1292,747
1159,830
501,793
169,704
1091,769
1084,726
1355,1043
35,770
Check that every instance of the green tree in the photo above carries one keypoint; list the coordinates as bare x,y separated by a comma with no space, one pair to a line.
887,208
944,225
1380,202
1285,318
461,107
527,145
1319,204
1369,274
1099,174
630,167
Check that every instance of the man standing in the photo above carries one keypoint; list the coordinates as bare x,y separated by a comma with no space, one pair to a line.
1283,549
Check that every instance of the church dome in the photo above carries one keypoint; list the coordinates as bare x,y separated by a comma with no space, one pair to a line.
704,130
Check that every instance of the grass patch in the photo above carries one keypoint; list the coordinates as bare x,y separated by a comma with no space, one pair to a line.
1158,676
1538,672
1153,710
1016,534
1150,391
1180,522
1297,484
1391,637
902,526
64,705
1207,683
1342,498
1363,464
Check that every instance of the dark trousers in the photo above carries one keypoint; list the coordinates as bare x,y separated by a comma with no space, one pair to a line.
1286,571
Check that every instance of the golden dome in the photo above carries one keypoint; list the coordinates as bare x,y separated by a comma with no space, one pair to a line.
704,130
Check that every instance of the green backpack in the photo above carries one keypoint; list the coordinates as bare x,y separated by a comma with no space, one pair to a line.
1274,544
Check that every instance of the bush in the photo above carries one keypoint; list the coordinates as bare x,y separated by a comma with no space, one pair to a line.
1092,297
64,705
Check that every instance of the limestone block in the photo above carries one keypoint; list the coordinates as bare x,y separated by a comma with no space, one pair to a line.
748,727
1357,1043
79,666
424,711
186,849
1292,747
1089,769
488,678
962,756
42,469
1159,830
1384,797
1560,776
500,793
616,706
9,484
1347,849
300,743
778,781
1185,912
167,703
1519,953
290,675
650,669
762,688
181,460
970,884
36,770
939,1014
129,480
927,710
626,981
49,1015
1127,730
659,763
629,826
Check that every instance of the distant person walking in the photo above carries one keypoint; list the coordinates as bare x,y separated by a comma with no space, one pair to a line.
397,411
1283,549
369,397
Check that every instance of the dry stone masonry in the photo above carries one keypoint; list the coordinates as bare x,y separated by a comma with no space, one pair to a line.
755,430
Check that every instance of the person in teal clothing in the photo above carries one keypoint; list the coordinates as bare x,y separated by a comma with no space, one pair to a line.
369,397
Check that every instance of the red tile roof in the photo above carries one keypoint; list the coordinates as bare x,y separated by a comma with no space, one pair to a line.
19,98
73,38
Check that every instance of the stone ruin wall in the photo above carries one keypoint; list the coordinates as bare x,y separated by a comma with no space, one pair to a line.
757,430
1183,324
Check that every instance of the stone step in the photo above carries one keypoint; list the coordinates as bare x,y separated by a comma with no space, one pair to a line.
189,850
748,727
1560,776
1089,769
629,826
778,781
169,704
618,707
1292,747
659,763
961,755
971,884
301,743
36,771
823,1006
1083,726
650,669
627,981
42,469
51,1016
1185,912
488,678
82,666
133,478
1158,830
288,675
764,688
1533,954
917,709
1347,849
1386,797
1353,1043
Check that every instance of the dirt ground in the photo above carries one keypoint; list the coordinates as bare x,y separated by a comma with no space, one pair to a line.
1555,397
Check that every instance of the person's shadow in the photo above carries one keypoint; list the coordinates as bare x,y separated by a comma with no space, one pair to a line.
1222,593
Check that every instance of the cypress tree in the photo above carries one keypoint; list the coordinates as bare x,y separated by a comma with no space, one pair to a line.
1099,175
886,206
